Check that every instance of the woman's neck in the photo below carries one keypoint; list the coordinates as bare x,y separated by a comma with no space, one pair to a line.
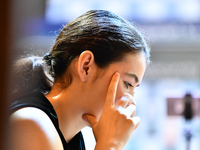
66,103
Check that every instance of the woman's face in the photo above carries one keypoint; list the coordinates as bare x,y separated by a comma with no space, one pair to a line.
131,71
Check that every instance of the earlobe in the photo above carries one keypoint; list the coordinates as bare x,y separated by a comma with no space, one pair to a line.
85,63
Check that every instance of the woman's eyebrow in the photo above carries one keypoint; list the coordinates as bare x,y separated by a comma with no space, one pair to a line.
133,76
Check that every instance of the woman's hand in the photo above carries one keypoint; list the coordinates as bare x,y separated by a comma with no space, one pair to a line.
117,122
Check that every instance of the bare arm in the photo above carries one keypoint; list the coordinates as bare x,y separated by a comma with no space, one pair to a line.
31,129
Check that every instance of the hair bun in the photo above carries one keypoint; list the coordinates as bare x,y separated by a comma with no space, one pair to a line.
46,56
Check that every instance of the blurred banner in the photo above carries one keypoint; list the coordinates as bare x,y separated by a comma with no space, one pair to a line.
162,20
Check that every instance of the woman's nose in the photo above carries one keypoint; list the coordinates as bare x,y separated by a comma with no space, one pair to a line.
131,92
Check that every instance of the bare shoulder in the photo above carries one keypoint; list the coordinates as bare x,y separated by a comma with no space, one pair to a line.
32,129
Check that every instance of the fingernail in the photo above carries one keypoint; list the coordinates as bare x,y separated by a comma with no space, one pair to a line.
125,97
84,117
117,74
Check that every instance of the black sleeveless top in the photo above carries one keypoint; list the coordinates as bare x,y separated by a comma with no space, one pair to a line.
38,100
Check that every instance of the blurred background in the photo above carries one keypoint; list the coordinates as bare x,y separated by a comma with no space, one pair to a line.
173,30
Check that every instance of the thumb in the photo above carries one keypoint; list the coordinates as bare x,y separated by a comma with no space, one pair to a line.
90,119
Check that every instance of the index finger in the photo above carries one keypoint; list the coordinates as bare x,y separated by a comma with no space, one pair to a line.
112,89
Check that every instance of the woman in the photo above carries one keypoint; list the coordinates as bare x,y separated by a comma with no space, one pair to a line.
97,61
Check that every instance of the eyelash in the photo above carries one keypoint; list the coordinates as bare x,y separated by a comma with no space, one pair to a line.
128,85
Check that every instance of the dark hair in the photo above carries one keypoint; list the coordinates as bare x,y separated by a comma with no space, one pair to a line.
28,74
108,36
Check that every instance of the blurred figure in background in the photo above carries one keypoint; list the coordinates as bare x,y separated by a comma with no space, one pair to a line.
188,107
188,115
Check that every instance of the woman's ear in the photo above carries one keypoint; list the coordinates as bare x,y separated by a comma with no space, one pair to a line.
85,63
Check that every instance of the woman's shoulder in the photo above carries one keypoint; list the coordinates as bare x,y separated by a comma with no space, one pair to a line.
31,128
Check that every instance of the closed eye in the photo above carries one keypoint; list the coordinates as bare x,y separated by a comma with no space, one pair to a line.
128,85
